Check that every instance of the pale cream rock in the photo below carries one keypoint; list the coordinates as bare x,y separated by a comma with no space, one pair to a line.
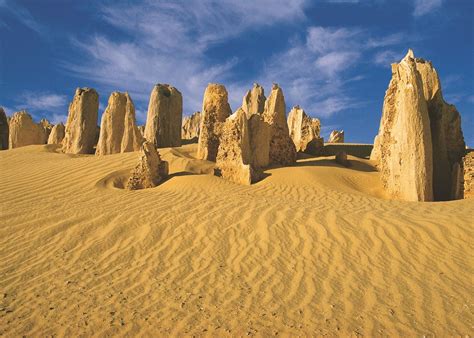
304,131
57,134
149,171
164,117
468,175
260,137
215,110
191,125
23,131
441,136
282,148
118,129
4,130
81,126
234,154
403,149
336,136
254,101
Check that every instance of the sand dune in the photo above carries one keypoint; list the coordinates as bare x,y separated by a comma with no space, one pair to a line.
312,249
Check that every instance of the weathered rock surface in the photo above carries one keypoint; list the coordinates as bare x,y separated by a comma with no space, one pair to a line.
341,158
282,148
164,117
234,155
81,126
336,136
142,130
57,134
304,131
149,171
46,126
254,101
4,130
420,144
23,131
215,110
260,137
118,129
191,125
468,175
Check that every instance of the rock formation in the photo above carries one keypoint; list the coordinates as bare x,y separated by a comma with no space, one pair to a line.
57,134
4,130
23,131
420,138
259,138
215,110
337,136
118,129
235,155
190,128
282,148
141,129
149,171
341,158
46,126
81,125
304,132
468,175
164,117
254,101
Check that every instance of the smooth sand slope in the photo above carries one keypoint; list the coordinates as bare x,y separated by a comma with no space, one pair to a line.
312,249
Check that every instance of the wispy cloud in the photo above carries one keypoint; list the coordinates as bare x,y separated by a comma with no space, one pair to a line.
168,43
386,57
42,101
423,7
22,15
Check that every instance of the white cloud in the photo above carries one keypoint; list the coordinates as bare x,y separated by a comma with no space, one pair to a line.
167,42
386,57
423,7
42,101
23,15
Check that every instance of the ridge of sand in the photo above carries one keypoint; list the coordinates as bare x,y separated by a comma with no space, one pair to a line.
312,249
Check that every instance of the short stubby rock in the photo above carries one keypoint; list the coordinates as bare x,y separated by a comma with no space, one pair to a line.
57,134
23,131
150,170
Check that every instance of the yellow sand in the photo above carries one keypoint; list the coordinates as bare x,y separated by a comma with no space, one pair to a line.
312,249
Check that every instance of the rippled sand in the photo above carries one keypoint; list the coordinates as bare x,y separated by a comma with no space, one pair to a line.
312,249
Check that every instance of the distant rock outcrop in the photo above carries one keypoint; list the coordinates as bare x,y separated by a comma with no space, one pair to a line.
81,125
4,130
149,171
190,128
420,140
282,148
57,134
304,132
118,130
164,117
234,156
215,110
254,101
336,136
23,131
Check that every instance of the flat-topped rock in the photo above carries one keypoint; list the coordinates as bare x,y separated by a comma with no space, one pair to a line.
81,126
164,117
23,131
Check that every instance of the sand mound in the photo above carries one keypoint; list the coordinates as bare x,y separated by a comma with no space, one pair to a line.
312,249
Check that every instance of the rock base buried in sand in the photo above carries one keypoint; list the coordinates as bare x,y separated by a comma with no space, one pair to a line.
341,158
150,170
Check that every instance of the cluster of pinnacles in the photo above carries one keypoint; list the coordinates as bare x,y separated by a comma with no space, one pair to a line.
419,150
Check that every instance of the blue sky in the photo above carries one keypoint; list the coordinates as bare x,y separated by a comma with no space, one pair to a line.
332,57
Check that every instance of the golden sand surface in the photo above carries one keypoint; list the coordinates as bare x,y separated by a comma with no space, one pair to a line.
312,249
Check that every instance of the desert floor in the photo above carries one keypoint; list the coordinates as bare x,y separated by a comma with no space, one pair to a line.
312,249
